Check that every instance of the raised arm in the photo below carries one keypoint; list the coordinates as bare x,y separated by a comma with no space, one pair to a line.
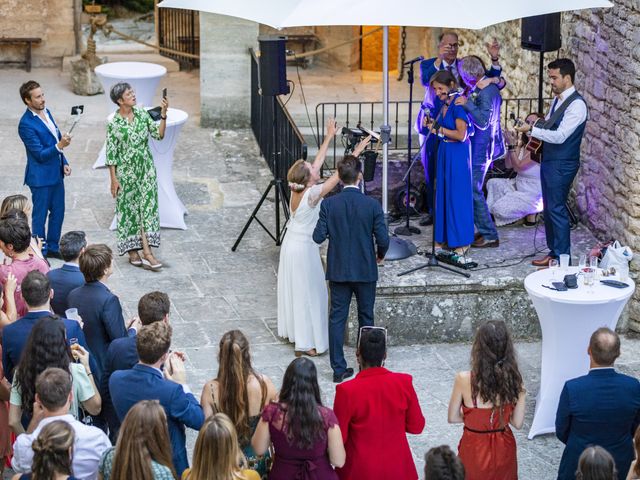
330,132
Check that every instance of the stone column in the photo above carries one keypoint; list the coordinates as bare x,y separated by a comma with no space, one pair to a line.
225,70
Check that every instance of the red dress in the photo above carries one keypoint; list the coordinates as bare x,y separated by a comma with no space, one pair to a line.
487,449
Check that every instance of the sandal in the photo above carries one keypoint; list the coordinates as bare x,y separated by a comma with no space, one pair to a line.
151,266
136,261
309,353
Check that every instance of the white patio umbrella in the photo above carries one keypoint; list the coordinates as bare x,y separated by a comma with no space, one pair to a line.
463,14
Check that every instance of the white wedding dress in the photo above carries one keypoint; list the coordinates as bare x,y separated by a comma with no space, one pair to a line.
302,290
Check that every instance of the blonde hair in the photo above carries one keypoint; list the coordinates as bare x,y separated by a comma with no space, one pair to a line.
217,455
14,202
51,450
298,176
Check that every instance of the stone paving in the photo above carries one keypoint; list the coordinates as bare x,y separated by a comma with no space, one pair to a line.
219,176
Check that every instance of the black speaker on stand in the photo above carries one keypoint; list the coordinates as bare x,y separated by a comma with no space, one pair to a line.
272,81
541,34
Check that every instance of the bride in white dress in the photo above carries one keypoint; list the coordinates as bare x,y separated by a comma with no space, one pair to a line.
302,290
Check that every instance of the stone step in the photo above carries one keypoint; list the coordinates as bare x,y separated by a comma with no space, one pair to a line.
119,56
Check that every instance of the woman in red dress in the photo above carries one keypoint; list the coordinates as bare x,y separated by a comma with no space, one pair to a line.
487,399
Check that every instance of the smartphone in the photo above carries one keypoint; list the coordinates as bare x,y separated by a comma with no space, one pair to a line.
77,110
164,93
560,286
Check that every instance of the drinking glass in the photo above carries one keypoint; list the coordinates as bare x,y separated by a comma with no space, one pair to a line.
553,266
593,262
564,261
623,272
72,314
582,263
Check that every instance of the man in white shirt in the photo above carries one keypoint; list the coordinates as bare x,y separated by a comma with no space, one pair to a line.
53,397
562,134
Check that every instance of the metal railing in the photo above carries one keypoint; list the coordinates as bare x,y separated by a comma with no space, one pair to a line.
369,114
179,30
286,140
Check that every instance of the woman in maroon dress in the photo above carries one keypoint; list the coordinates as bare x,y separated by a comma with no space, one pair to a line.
305,435
487,400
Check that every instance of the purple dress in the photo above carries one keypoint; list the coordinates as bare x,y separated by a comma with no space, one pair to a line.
291,462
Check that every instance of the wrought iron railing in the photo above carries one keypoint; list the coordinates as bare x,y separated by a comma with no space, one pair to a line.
282,147
179,30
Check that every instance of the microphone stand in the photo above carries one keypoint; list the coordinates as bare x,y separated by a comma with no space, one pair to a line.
433,260
408,229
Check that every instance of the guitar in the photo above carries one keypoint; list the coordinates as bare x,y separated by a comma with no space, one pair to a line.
533,145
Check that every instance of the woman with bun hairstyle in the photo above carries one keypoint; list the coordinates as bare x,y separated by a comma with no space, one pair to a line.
440,463
302,290
52,453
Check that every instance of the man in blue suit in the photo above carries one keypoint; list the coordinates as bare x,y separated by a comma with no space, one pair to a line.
483,106
69,276
46,166
600,408
350,220
447,59
161,376
37,294
123,353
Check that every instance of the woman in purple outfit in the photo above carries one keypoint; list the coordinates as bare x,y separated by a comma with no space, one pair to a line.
305,435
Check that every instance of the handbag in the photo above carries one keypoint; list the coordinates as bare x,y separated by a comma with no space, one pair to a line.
616,255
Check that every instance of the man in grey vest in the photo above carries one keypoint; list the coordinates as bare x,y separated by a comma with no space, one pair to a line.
562,134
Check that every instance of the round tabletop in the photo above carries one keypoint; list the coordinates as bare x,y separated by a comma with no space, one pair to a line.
174,117
583,295
130,70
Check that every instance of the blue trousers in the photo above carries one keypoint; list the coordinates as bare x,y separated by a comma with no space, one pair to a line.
48,201
341,293
481,216
556,177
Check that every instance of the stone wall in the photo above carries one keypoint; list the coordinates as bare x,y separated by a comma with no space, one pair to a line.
51,20
604,45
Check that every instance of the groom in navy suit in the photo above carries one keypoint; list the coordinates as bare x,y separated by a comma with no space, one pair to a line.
46,166
351,221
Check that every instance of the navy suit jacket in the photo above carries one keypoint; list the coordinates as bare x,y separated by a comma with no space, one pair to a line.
428,69
102,316
601,408
351,220
484,112
63,280
143,382
14,338
44,162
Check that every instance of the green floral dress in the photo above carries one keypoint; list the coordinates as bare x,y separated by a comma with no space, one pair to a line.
137,201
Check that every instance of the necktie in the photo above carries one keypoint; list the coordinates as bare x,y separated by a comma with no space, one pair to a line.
553,107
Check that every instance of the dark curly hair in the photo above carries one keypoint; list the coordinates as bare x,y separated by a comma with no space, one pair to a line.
495,376
442,464
301,395
46,347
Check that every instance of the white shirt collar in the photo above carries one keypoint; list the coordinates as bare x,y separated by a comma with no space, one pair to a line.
351,186
601,368
564,95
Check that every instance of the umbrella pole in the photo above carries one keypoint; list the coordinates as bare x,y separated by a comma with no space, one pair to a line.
398,248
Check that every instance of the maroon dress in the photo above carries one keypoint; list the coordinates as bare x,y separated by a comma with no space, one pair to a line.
291,462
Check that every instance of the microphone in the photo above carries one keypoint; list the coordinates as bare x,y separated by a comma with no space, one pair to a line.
457,91
414,60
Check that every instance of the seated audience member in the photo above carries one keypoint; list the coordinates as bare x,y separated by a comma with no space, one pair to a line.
634,470
123,355
487,399
375,410
511,199
596,463
239,392
52,453
20,203
69,276
47,347
305,435
15,236
37,294
52,402
217,453
146,381
600,408
440,463
99,308
143,449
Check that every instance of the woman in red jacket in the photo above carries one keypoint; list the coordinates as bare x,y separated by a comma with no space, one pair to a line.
376,410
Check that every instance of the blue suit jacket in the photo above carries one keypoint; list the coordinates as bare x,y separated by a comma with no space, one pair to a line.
44,161
351,220
428,68
102,316
14,338
601,408
63,280
142,382
484,112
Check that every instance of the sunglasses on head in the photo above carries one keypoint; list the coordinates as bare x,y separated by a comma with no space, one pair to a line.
368,328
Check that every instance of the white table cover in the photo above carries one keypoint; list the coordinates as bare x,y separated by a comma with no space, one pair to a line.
142,76
567,320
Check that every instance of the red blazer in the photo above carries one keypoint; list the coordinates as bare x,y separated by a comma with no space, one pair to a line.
376,410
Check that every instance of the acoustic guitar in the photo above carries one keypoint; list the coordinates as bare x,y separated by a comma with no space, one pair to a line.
533,145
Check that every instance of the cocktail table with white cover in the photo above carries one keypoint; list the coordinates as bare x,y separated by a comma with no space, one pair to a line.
142,76
172,210
567,320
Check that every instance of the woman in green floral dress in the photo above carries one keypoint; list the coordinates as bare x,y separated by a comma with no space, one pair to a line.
133,176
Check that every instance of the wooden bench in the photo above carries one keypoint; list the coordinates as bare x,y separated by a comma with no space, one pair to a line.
28,41
304,40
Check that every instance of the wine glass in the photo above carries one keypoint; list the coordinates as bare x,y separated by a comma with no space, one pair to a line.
553,266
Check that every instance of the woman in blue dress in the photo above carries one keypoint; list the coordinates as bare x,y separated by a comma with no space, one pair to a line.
453,221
